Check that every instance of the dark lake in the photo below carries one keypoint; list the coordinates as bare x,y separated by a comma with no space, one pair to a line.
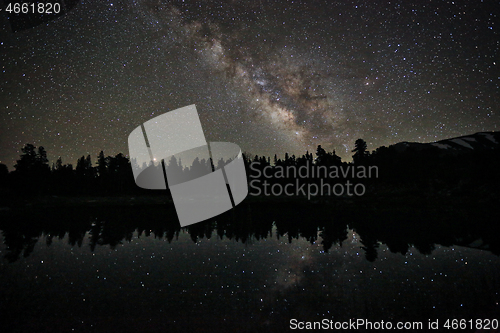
133,269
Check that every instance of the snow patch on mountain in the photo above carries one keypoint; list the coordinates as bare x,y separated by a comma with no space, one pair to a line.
462,143
489,137
440,145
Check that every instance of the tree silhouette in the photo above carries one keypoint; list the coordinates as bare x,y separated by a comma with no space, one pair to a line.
175,171
102,164
32,170
360,152
327,159
59,164
321,156
28,159
120,173
84,167
42,162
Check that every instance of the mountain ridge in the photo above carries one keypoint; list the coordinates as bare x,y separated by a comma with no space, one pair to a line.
465,143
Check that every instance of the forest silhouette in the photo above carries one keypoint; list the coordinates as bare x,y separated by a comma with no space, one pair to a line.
421,198
426,172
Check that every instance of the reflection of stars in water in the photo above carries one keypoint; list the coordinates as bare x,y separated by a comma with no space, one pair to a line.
268,280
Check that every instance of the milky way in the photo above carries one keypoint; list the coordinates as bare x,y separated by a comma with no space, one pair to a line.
271,77
287,83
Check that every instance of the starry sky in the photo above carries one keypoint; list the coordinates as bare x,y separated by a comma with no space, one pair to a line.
272,77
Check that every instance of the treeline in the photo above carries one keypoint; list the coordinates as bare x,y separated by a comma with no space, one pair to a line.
422,171
430,170
34,176
113,174
320,174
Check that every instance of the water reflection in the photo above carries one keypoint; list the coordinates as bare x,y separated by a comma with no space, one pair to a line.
252,269
399,231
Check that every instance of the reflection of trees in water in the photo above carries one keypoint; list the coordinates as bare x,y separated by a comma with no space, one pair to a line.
247,222
19,242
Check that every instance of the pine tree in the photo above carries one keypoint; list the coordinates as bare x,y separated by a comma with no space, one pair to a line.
360,152
321,156
28,159
102,165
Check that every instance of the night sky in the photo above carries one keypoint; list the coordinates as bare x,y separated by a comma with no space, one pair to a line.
270,77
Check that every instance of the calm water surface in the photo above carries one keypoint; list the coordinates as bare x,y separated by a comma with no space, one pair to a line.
146,281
